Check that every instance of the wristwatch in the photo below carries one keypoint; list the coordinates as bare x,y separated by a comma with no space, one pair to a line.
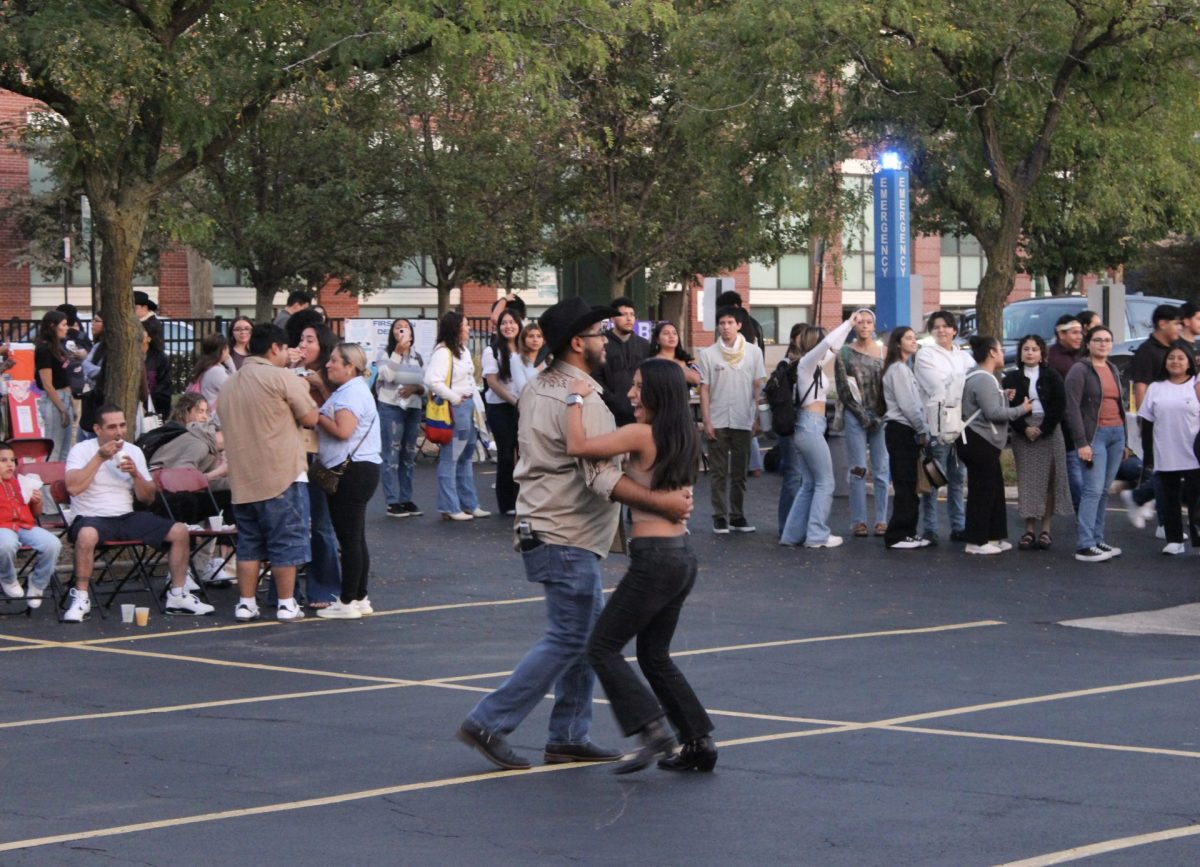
574,399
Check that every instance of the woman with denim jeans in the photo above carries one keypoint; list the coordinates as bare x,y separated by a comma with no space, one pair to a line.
859,376
1096,422
664,449
50,360
399,389
808,519
450,376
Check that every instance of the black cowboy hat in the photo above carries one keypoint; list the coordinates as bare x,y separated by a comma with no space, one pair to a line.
566,319
140,297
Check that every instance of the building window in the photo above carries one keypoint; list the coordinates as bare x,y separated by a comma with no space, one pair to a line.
413,275
790,272
858,238
962,263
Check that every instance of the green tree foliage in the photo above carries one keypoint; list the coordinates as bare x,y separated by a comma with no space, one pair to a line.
989,100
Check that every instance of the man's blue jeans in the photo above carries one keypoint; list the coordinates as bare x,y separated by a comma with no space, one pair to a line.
570,578
858,441
956,476
1107,447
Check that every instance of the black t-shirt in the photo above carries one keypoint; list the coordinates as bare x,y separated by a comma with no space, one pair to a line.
1147,363
43,358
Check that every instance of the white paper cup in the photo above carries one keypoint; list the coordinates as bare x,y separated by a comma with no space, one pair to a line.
216,522
141,615
127,613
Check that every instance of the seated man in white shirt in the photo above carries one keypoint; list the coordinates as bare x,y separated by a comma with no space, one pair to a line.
103,476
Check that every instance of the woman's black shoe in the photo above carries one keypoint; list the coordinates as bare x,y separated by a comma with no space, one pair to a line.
657,742
697,755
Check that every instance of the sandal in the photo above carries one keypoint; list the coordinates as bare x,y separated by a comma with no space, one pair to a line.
859,529
1028,542
1044,541
881,529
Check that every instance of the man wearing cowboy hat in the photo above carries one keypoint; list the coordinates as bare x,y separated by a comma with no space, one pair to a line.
567,515
143,307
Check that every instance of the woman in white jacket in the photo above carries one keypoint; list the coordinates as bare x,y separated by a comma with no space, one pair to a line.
450,375
808,520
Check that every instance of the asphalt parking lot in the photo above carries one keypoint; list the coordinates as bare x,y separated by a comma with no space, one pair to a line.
872,708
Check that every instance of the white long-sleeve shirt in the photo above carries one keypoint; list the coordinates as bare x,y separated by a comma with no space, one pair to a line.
461,382
936,369
811,361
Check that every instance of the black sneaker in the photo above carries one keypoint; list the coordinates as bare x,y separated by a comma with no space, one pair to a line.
720,526
493,747
1108,549
397,510
739,525
958,536
1092,555
411,508
931,539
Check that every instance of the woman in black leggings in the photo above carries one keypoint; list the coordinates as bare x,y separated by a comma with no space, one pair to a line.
349,440
664,451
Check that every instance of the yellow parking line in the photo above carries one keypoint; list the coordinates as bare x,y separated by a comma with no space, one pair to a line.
921,630
1079,852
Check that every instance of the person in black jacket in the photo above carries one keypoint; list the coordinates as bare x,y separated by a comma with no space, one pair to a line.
623,353
1037,442
158,368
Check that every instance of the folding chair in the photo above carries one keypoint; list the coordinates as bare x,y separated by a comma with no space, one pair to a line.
189,480
106,560
48,472
36,449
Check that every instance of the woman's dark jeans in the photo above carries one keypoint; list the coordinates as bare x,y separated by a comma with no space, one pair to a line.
502,419
903,453
987,519
1180,488
348,510
646,604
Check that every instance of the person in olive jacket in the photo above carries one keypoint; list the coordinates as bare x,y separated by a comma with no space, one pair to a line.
1039,449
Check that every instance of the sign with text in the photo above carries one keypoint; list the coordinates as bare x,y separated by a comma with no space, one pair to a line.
893,251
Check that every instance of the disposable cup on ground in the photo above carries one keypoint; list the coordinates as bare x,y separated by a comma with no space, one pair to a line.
127,613
141,615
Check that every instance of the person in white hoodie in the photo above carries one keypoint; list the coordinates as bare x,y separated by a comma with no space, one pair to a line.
807,522
941,369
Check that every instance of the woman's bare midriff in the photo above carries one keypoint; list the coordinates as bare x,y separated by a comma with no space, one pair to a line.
648,529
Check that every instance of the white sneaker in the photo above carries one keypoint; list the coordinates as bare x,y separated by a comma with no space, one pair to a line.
1174,548
1149,510
363,605
245,612
339,610
830,542
480,513
189,583
80,608
33,596
908,543
12,588
186,603
457,516
1001,544
289,612
986,549
1160,533
1110,550
1133,510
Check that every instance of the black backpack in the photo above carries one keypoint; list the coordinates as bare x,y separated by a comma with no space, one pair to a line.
151,441
780,394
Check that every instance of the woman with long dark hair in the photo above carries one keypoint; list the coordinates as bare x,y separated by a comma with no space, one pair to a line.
239,340
158,367
986,414
51,360
400,391
212,368
664,449
450,375
348,427
665,343
1172,408
1037,443
505,376
905,431
1096,423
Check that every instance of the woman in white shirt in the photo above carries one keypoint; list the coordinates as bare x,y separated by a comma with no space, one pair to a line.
807,522
1172,405
400,389
450,376
505,375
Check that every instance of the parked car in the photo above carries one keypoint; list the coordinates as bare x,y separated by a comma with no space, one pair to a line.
1038,315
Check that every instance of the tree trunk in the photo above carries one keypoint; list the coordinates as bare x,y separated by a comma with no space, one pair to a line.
200,284
617,286
1058,283
120,225
264,302
443,296
1001,272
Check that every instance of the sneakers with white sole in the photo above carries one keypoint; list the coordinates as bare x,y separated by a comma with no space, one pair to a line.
1001,544
480,513
1092,555
909,543
80,608
12,588
289,612
1110,550
363,605
33,596
1133,510
185,603
830,542
987,549
245,612
1175,548
339,610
